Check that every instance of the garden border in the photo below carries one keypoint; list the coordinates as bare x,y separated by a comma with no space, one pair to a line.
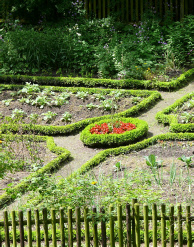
181,81
63,155
172,120
153,97
115,139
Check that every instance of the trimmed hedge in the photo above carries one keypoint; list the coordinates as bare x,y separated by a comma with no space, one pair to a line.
21,188
90,82
166,118
114,139
101,156
152,97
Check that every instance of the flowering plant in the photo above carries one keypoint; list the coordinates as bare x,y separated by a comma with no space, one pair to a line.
118,127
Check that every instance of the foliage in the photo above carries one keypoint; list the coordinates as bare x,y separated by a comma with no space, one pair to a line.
96,47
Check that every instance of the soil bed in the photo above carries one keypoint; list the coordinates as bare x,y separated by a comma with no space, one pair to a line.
22,152
168,151
76,107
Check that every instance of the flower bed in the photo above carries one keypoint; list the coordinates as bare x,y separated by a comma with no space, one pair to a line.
106,133
117,127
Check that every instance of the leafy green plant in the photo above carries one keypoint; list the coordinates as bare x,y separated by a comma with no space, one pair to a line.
7,102
41,101
82,95
25,100
91,106
118,166
59,101
18,114
49,116
66,117
172,173
33,117
108,105
187,117
65,95
29,89
186,160
97,96
136,100
154,165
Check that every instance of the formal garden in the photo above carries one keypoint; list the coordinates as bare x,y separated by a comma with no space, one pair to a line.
96,113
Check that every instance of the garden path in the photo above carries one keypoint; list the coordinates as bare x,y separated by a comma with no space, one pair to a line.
82,154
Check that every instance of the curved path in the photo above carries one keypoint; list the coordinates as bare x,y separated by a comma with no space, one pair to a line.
82,154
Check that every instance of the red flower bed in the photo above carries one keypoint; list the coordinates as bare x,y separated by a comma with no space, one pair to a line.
117,127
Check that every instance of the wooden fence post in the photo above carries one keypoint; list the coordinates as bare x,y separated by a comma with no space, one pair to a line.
120,225
103,228
112,238
188,226
180,227
61,223
45,226
95,229
146,232
6,229
134,200
154,224
78,227
53,220
87,232
128,225
21,227
37,224
70,228
29,228
14,228
171,221
163,225
137,225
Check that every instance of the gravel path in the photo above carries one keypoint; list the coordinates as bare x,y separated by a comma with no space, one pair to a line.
81,153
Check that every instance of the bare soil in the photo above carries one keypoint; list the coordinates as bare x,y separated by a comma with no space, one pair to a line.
76,107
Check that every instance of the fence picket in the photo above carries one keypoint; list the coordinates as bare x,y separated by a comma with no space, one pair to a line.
154,224
14,228
21,227
95,230
86,223
134,200
188,226
70,228
112,238
37,224
103,228
146,232
180,226
171,221
6,229
61,223
45,226
29,228
128,224
137,225
120,225
78,227
163,225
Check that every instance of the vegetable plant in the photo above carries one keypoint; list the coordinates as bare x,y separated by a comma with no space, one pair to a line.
7,102
18,113
49,116
66,117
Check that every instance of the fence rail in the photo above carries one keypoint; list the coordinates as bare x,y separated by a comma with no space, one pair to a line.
98,228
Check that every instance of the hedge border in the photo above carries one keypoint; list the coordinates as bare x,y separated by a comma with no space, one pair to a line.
91,82
172,120
152,97
63,155
115,139
101,156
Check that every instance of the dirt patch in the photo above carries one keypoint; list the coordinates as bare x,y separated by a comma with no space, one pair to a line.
176,181
32,162
76,107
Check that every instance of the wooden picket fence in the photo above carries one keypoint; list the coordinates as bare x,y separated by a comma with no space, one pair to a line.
130,222
126,10
133,10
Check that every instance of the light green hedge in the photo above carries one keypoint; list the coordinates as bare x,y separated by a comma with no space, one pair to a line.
22,187
114,139
90,82
166,117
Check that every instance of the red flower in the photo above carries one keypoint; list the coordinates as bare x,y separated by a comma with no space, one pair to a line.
115,128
